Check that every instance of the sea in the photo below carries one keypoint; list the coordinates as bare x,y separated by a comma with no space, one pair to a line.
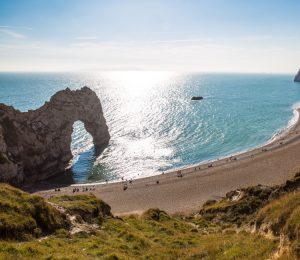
154,125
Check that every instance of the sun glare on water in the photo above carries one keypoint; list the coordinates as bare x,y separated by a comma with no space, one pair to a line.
130,100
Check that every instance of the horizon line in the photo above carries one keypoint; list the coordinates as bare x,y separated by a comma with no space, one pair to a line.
147,70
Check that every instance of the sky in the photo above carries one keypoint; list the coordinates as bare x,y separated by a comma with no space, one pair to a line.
181,35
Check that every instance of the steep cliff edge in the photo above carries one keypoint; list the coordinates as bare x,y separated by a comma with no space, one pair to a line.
297,77
35,145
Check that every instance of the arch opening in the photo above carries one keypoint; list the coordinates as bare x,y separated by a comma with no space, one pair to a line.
83,152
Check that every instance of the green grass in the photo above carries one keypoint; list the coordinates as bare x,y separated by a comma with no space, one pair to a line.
23,216
218,232
153,235
282,216
138,238
87,206
235,211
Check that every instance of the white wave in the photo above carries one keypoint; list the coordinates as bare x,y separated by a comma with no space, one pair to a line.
292,122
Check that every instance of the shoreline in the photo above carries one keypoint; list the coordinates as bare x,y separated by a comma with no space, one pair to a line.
269,164
279,134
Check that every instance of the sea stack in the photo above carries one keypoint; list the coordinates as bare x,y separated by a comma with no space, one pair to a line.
35,145
297,77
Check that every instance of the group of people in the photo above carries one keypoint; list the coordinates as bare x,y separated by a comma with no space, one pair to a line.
77,189
125,183
84,189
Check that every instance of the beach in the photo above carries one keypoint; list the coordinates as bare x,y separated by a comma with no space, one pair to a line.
185,190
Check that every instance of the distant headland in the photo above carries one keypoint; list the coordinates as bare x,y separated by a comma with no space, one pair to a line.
297,77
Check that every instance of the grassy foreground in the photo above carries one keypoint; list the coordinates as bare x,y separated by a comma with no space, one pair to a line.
143,238
252,223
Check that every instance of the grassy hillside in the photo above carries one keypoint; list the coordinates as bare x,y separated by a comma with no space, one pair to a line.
253,223
85,207
144,238
23,216
282,218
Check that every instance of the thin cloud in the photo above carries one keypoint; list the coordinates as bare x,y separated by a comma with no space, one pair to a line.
190,56
86,38
204,40
12,33
15,27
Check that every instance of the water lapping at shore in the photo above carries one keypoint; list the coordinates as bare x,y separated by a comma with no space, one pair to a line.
154,125
291,123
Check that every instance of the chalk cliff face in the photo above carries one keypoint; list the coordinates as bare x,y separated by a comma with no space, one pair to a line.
297,77
35,145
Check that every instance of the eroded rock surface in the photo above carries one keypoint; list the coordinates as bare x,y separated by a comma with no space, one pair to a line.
35,145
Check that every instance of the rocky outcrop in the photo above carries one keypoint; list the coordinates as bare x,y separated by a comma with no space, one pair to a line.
35,145
240,205
297,77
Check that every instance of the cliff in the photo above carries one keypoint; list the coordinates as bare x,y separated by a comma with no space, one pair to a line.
297,77
35,145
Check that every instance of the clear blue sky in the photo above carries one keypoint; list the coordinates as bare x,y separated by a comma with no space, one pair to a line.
210,35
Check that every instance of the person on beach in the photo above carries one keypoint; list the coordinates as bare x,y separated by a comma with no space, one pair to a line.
179,174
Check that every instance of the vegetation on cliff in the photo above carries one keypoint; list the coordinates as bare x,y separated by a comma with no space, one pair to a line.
85,207
253,223
23,216
240,206
135,237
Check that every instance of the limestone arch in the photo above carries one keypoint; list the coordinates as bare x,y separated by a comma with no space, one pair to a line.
42,137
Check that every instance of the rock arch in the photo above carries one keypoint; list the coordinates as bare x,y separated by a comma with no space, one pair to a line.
35,145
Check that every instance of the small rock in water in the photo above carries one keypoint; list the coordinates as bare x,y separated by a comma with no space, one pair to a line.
197,98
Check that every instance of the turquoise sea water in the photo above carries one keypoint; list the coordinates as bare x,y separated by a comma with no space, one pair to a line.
153,123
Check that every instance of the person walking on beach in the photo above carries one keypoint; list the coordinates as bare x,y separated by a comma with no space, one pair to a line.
179,174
